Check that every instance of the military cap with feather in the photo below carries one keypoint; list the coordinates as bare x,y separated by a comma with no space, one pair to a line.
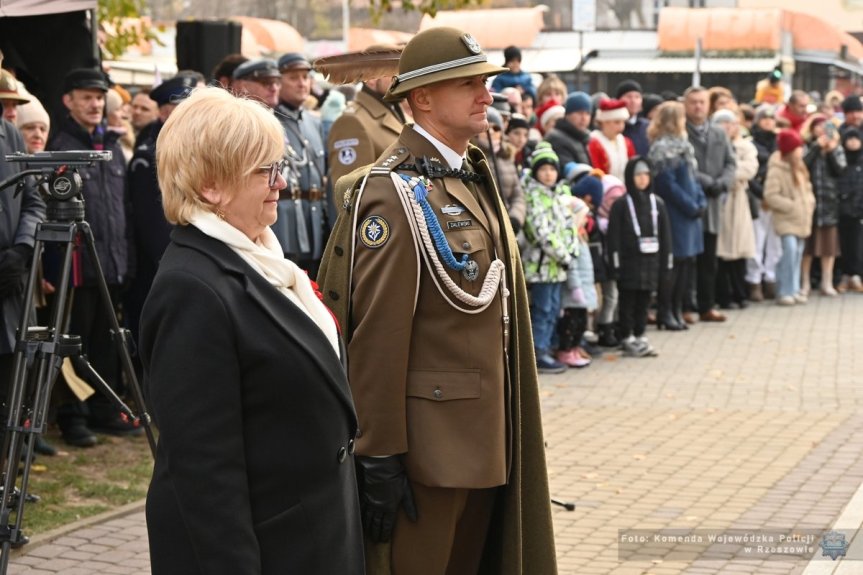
439,54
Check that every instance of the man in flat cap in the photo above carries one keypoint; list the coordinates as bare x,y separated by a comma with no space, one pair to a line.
302,226
107,211
423,272
152,230
258,79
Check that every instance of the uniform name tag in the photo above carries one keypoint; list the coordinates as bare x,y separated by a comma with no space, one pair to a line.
459,224
346,143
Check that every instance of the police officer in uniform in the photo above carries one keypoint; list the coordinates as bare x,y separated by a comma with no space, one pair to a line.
365,129
424,274
302,226
152,230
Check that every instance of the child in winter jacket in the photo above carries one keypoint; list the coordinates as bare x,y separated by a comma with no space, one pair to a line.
579,294
550,244
639,247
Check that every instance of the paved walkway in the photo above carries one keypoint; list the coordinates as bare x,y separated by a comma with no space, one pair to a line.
749,425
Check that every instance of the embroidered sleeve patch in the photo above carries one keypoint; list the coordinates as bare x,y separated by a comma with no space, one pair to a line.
374,232
347,156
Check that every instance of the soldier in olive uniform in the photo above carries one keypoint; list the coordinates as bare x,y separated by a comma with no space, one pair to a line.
424,274
364,130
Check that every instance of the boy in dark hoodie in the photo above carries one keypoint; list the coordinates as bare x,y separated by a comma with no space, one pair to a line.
639,246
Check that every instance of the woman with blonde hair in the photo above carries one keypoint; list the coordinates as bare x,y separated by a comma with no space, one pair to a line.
243,366
788,194
674,166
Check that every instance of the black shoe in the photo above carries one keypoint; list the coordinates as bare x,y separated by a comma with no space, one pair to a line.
591,349
78,435
606,336
667,321
116,425
42,447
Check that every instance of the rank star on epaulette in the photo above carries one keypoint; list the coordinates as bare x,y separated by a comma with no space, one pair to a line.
389,161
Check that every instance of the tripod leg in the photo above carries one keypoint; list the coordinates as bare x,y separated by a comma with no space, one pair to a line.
36,364
120,338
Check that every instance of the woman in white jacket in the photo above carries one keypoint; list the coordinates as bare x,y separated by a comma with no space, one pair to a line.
736,239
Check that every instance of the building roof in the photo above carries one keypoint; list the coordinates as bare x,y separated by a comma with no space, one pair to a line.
493,28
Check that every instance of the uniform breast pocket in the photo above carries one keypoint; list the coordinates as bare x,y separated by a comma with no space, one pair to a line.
444,385
471,249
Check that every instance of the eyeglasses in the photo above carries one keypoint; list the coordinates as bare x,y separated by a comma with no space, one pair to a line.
275,169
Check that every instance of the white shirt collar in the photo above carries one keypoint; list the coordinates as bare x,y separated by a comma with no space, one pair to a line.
452,158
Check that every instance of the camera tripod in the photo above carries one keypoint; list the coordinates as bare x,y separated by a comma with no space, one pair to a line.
40,351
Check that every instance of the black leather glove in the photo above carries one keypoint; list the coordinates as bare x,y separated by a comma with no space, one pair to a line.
14,264
385,488
516,225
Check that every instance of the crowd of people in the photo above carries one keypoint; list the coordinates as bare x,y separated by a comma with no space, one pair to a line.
743,196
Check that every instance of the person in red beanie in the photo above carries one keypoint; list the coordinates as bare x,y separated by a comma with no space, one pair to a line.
788,193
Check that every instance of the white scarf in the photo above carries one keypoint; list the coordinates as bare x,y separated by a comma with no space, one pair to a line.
616,151
266,258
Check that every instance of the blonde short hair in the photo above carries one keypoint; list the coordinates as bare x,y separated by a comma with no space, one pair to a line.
667,121
213,138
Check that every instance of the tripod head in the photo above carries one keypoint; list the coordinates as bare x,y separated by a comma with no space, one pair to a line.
57,178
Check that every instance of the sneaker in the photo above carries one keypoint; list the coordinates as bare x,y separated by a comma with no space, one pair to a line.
801,297
572,358
590,349
786,300
856,284
590,337
117,425
646,347
633,348
545,363
828,291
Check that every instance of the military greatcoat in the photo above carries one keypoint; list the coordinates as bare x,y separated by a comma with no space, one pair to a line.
447,389
361,134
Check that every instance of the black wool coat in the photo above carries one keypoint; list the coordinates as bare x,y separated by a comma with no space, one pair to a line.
254,469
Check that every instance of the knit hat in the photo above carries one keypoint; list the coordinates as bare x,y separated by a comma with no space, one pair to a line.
640,167
543,154
511,53
764,111
517,121
589,187
32,112
852,104
612,110
333,106
649,102
494,118
551,114
788,140
577,102
113,101
572,171
627,86
723,117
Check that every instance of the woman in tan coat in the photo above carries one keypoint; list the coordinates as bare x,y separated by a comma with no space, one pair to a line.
736,240
788,193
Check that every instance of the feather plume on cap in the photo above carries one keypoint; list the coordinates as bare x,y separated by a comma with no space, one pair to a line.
379,61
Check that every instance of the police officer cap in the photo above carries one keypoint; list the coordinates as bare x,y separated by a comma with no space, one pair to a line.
173,90
85,79
294,61
9,88
257,69
438,54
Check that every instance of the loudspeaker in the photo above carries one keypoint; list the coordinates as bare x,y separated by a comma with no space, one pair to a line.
201,45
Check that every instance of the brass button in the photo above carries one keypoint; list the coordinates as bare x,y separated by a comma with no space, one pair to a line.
466,245
437,394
